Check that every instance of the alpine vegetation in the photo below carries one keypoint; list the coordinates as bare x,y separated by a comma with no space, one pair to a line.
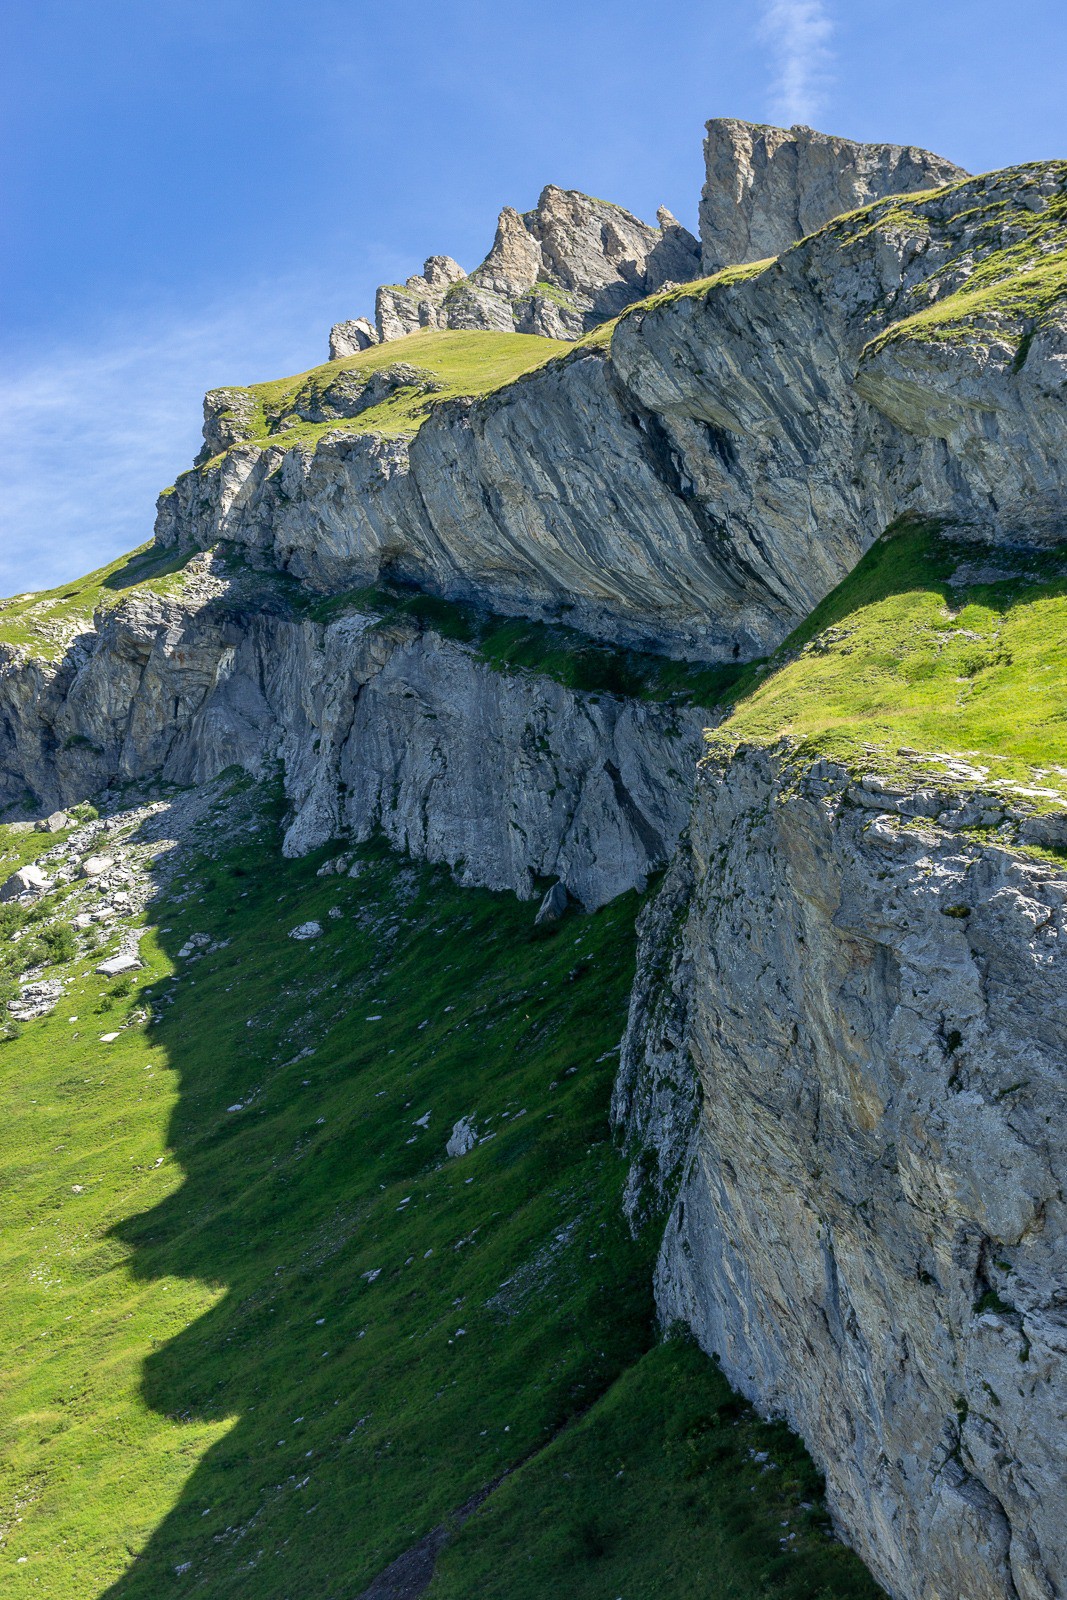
532,928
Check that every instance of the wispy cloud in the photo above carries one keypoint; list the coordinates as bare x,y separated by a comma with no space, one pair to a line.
798,33
92,428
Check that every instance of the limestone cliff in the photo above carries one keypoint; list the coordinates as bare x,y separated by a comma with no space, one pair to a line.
557,270
869,1006
842,1075
766,187
699,483
507,776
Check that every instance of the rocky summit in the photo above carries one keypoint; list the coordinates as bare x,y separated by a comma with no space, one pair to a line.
533,920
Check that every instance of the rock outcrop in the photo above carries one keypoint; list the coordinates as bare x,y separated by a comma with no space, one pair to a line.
767,187
506,777
700,486
349,338
557,271
843,1071
848,1034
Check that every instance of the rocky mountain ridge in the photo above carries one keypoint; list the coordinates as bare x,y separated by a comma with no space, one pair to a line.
699,481
840,1075
574,261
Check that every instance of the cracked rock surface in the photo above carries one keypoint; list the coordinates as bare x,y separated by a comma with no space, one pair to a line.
869,1007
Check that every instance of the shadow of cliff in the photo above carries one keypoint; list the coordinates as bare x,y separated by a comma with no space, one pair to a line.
348,1249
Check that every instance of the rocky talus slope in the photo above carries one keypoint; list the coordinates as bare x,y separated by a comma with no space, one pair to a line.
826,491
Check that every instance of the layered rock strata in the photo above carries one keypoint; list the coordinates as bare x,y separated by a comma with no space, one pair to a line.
698,487
848,1034
506,777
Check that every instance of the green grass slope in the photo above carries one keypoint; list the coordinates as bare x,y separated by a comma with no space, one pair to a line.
471,363
930,648
259,1334
45,621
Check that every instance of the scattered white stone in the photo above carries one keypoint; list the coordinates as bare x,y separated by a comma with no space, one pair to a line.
195,941
83,920
463,1137
306,930
95,866
36,1000
27,880
423,1122
77,1188
237,1107
117,964
336,913
375,1272
108,1038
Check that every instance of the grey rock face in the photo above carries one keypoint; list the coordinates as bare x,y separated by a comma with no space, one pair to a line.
405,308
768,187
502,776
349,338
699,489
228,419
55,823
557,270
870,1225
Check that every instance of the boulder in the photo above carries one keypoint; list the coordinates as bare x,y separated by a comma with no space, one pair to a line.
96,866
27,880
462,1137
115,965
55,823
307,930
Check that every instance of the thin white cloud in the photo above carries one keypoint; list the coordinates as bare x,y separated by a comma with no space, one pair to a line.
798,33
92,428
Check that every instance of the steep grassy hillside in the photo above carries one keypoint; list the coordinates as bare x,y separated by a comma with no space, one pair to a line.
931,648
260,1334
45,621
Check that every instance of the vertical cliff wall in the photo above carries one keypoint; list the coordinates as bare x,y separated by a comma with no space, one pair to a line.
848,1034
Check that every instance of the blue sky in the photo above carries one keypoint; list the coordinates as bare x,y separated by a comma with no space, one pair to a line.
191,191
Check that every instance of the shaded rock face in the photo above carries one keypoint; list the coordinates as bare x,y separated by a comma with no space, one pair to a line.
767,187
701,487
869,1229
506,778
557,271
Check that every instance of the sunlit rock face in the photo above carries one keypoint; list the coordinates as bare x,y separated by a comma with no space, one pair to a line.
698,487
557,271
847,1035
766,187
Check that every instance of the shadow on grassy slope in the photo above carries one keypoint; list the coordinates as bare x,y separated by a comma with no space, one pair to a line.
349,1333
379,1370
